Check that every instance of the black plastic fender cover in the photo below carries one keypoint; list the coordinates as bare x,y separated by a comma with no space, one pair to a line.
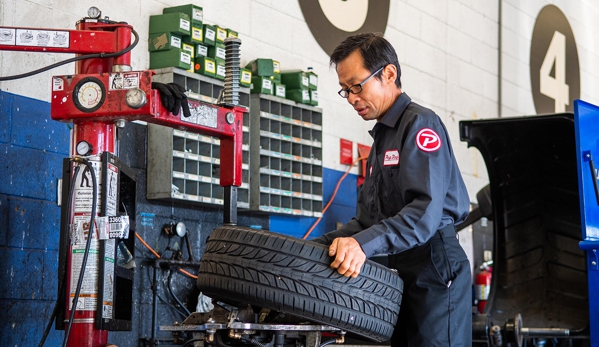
293,276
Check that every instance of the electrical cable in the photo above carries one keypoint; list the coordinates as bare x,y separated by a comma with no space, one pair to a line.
328,343
189,342
170,290
158,256
171,306
61,286
87,246
332,197
74,59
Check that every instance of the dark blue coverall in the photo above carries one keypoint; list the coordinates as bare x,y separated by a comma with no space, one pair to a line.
411,198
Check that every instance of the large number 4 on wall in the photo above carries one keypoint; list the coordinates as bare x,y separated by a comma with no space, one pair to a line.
555,86
554,67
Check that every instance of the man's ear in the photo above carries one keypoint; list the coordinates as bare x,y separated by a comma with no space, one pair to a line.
389,73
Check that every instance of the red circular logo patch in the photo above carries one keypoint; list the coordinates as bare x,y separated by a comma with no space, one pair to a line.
428,140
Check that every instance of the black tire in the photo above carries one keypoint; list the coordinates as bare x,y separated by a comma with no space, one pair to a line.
293,276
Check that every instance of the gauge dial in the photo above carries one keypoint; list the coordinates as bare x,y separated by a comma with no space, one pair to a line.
89,94
94,12
84,148
136,98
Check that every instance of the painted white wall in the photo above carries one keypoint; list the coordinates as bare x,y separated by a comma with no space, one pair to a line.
448,50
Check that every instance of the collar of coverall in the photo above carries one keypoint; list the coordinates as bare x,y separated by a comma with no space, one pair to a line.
394,113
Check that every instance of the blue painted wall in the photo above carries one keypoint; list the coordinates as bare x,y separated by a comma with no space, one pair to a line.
31,150
341,210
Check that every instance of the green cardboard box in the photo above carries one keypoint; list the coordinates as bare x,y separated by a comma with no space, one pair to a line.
279,90
299,95
217,51
261,85
313,97
163,42
295,79
197,34
189,48
276,77
232,33
220,69
276,67
209,35
195,13
246,78
174,23
174,57
201,50
221,34
261,67
205,66
312,80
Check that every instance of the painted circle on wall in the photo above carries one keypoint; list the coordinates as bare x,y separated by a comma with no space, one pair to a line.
331,21
554,65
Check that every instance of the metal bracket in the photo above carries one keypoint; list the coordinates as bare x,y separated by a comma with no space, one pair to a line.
586,156
591,248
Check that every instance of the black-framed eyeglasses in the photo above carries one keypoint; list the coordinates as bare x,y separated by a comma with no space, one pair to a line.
357,88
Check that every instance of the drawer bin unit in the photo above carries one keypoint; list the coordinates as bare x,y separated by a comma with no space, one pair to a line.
185,166
286,152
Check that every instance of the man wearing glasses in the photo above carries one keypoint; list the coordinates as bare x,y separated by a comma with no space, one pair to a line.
411,199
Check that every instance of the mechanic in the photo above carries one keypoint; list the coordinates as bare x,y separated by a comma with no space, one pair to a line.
411,198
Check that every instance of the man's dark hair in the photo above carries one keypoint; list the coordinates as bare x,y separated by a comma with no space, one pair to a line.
375,49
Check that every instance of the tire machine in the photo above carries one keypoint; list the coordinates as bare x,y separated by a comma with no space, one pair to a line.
104,93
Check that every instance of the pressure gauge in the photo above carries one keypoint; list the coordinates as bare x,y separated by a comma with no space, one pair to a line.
89,94
84,148
136,98
94,12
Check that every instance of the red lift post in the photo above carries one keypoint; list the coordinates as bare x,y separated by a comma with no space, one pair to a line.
104,92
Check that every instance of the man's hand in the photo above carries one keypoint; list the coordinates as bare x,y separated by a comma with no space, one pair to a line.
173,97
349,256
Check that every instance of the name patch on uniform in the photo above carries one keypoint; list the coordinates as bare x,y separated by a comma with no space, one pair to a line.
391,157
428,140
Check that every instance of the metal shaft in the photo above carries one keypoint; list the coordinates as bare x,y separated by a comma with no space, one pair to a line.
544,332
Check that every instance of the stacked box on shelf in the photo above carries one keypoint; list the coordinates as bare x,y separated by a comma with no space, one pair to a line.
165,36
196,17
301,86
287,139
186,166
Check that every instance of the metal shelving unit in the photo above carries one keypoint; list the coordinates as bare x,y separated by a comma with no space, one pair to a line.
186,166
286,152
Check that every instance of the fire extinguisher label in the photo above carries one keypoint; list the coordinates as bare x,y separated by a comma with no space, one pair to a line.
482,292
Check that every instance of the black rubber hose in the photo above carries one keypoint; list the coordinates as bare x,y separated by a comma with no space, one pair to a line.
253,342
74,59
170,289
61,286
87,246
188,343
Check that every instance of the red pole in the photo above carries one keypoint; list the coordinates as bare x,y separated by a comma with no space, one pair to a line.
101,137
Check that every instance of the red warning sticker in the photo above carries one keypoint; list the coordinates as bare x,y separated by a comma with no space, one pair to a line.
428,140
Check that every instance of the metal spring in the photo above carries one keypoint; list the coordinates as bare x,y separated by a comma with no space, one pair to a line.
232,71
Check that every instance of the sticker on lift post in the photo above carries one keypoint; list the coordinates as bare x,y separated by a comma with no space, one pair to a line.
123,80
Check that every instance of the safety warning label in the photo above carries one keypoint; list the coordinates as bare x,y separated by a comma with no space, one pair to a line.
123,80
84,188
37,38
